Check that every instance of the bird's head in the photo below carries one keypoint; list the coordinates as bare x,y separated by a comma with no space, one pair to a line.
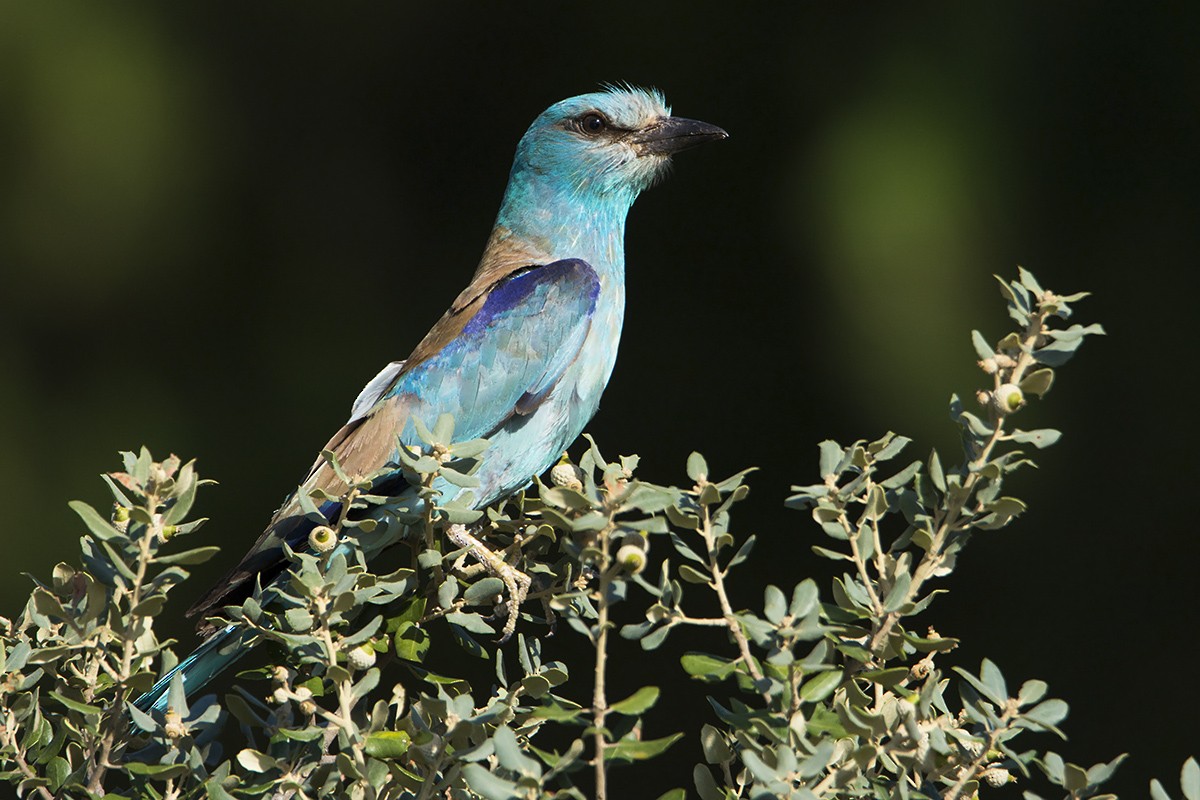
607,145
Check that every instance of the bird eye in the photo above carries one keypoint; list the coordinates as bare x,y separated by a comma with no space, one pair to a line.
593,122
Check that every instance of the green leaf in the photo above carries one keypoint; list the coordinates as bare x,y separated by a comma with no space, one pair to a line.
935,471
742,553
820,686
254,761
1029,282
899,593
1038,382
990,674
716,749
982,348
387,744
195,556
693,575
160,771
483,590
831,456
471,622
887,678
1099,773
100,527
75,705
510,754
186,497
1157,792
411,642
706,786
1048,713
1031,691
557,709
487,785
697,468
638,702
998,698
674,794
706,667
775,606
456,478
469,448
1041,438
639,750
834,555
1189,779
149,607
804,598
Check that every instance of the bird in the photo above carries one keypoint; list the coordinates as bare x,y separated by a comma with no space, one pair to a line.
522,355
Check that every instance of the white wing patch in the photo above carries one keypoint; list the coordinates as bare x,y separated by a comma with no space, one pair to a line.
374,390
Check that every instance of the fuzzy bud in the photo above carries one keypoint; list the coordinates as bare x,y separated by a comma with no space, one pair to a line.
280,695
303,695
567,475
322,539
361,657
995,776
631,558
1008,398
173,727
158,475
989,365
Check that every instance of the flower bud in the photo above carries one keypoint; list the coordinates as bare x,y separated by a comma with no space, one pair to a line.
989,365
361,657
995,776
631,558
1008,398
567,475
322,539
280,695
173,727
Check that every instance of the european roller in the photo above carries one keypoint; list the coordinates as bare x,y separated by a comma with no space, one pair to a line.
523,354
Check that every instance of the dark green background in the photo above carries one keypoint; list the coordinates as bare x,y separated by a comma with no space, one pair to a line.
217,220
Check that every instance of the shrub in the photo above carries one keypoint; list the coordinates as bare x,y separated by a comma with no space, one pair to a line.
814,696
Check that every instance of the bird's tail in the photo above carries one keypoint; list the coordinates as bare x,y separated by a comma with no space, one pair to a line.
204,663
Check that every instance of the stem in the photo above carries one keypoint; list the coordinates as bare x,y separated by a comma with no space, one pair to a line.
8,734
968,772
718,584
949,521
599,699
852,536
116,716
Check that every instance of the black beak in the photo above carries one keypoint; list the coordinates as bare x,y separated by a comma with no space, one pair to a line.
674,135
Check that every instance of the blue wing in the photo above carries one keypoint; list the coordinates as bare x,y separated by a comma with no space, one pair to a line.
507,357
498,355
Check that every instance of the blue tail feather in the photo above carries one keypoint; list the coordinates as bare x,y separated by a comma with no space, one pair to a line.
209,659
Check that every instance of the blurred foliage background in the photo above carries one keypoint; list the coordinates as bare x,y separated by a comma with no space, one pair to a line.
218,220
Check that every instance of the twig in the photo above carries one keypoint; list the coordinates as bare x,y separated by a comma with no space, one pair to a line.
599,699
718,584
